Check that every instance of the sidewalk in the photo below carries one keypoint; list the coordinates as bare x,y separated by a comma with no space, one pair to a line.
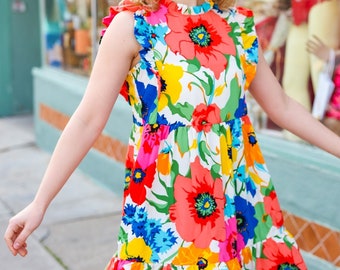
80,228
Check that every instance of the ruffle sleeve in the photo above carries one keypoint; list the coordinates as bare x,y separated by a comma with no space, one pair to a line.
249,39
125,5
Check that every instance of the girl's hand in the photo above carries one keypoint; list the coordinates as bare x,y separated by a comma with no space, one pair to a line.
20,227
318,48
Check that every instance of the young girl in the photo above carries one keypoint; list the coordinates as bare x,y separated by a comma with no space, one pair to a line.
197,192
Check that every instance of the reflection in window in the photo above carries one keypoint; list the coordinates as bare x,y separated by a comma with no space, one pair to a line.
72,32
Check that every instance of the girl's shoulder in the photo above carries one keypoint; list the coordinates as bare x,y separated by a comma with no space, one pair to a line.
126,7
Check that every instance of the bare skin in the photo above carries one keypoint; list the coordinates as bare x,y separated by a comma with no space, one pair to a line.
117,54
317,47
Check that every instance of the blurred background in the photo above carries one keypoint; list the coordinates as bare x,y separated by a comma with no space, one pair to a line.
47,48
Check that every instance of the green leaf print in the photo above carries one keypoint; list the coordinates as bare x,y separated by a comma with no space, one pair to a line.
122,235
265,223
174,171
138,108
181,138
266,190
194,65
153,117
288,241
157,55
203,150
215,171
184,110
219,129
235,35
208,87
168,198
248,25
228,111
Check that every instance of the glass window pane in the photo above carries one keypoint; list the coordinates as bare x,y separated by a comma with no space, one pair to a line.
69,30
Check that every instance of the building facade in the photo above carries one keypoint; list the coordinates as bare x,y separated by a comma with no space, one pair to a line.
69,35
20,50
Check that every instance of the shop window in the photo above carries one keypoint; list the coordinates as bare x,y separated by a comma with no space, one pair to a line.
72,31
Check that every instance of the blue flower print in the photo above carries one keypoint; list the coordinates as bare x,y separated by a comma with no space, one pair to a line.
148,95
253,52
246,222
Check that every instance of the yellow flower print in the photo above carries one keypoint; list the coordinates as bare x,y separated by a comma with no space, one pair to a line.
194,257
170,84
133,95
136,251
248,41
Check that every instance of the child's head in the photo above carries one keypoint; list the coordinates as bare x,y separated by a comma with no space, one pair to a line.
153,4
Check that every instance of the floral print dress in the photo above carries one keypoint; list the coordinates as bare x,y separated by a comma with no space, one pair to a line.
197,192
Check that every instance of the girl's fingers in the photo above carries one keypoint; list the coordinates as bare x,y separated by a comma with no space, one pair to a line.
10,235
15,238
23,251
20,241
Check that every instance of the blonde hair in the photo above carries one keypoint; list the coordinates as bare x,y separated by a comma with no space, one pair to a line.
153,4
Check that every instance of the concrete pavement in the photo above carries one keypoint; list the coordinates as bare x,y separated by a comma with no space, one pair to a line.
80,228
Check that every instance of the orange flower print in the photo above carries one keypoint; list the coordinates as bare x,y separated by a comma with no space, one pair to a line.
252,150
234,264
203,258
249,70
198,211
204,37
163,164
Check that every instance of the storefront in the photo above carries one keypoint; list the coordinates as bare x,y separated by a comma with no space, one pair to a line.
71,30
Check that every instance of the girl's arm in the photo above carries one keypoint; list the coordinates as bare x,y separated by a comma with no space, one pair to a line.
117,51
289,114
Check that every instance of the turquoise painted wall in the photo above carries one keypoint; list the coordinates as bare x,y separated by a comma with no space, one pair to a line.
20,51
63,91
5,59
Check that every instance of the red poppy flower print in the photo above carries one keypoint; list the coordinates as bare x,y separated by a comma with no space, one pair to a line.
124,5
129,164
246,12
272,206
203,36
124,91
140,179
205,116
198,211
280,256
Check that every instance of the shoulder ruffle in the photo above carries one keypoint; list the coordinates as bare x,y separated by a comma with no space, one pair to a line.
125,5
249,57
245,11
248,21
